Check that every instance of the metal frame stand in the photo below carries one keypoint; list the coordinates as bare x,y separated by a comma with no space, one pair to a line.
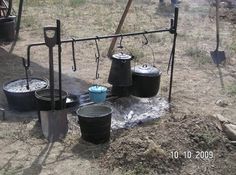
172,30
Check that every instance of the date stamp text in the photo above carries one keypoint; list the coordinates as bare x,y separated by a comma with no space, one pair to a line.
192,154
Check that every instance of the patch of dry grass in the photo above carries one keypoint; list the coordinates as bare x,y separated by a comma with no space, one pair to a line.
231,90
74,3
199,55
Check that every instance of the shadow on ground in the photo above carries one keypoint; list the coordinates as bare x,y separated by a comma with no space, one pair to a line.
36,166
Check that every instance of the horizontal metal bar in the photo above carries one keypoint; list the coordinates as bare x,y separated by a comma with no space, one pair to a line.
117,35
105,37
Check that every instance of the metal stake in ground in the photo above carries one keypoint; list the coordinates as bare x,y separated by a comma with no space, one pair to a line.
217,56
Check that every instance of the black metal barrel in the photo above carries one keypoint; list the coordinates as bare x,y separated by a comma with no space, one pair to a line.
7,26
95,123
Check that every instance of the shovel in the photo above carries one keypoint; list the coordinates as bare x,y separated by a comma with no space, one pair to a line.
216,55
54,122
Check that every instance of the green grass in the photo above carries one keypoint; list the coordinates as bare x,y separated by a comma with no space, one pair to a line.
30,22
34,3
164,9
77,2
209,138
137,53
153,38
8,172
232,47
206,139
231,90
200,56
138,170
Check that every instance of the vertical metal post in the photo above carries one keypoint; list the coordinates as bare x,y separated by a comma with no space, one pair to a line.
173,52
9,8
0,8
19,19
59,60
51,72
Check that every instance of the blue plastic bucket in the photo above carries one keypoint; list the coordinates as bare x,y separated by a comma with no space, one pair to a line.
97,94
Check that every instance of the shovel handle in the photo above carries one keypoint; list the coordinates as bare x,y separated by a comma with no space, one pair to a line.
217,26
50,41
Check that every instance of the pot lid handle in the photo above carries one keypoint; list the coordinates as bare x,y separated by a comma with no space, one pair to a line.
122,49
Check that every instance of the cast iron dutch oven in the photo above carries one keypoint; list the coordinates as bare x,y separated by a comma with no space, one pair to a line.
146,81
19,97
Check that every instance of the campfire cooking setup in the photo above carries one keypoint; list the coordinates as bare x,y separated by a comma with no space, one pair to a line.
94,115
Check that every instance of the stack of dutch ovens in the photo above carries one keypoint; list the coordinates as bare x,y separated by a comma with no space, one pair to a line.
141,81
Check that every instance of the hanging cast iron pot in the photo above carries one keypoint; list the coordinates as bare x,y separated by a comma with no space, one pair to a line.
146,80
120,72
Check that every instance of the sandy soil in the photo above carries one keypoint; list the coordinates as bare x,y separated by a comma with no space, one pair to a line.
200,91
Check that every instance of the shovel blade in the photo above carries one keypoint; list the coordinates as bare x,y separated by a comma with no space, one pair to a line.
218,56
54,124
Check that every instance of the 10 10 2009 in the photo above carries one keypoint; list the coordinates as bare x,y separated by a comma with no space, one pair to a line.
192,154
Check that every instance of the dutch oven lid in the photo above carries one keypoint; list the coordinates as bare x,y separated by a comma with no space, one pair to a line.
146,70
121,56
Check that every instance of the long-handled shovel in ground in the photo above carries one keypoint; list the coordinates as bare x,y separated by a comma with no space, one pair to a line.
217,56
54,121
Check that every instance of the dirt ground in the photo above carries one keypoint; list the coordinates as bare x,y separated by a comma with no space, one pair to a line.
201,91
